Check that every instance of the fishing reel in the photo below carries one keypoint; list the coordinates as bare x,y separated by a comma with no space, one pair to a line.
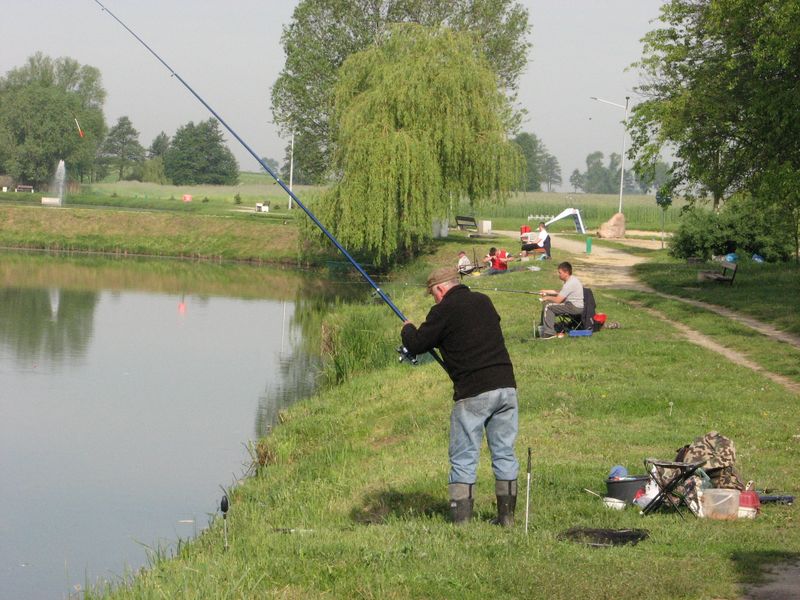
406,355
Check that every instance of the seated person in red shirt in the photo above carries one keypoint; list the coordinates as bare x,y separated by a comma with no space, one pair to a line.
498,261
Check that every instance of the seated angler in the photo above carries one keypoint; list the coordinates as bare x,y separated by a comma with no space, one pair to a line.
567,301
465,266
497,260
542,240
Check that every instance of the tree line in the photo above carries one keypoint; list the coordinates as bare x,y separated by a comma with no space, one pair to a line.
599,178
52,109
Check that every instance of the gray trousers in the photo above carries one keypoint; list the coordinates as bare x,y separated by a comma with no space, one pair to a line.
549,315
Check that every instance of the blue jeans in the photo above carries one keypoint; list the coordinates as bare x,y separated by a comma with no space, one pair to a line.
497,412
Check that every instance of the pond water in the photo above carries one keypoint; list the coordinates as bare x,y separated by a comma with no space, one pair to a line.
128,391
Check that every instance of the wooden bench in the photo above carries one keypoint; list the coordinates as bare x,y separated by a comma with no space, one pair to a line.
467,223
24,188
727,275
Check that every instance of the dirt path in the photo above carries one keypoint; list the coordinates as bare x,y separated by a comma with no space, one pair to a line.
604,267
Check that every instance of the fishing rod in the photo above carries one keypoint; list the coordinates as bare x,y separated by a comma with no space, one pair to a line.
481,289
266,167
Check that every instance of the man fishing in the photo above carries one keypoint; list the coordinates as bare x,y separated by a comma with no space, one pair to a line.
465,326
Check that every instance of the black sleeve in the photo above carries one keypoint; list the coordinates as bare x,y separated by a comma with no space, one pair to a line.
428,335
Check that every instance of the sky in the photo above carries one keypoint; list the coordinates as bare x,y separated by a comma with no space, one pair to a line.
230,54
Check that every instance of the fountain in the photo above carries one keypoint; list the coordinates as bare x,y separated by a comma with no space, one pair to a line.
57,185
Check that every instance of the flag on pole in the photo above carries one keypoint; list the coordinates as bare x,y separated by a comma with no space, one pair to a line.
80,131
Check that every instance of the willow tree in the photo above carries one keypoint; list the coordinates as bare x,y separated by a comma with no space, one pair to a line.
418,124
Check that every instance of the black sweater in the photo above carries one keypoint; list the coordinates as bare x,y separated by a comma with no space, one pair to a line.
466,328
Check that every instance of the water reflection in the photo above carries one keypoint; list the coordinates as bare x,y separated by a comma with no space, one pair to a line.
46,324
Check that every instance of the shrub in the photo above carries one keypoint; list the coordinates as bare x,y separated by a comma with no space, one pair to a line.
742,226
701,233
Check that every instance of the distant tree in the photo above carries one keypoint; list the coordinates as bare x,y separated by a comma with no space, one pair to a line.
323,33
654,176
306,168
407,151
534,153
198,154
576,180
39,105
121,149
159,147
603,179
272,163
153,171
552,172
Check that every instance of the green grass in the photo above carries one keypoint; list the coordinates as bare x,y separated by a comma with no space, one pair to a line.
358,472
773,356
766,291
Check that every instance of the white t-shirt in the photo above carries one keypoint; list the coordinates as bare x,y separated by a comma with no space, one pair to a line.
464,263
542,237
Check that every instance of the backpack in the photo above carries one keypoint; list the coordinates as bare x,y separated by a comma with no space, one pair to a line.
719,455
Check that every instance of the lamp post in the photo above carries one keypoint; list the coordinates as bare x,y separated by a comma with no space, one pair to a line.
291,170
624,132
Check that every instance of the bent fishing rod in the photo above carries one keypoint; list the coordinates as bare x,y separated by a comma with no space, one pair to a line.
280,182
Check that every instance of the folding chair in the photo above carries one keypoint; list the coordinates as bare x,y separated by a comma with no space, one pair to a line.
671,479
583,321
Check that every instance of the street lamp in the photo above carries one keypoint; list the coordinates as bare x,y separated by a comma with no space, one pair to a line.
291,170
624,132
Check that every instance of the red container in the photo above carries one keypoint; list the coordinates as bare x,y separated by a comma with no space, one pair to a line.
749,499
749,505
525,229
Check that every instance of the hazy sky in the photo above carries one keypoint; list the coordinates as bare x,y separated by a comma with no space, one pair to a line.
230,53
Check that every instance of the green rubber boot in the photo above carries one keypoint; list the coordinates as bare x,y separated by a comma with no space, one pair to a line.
506,492
460,502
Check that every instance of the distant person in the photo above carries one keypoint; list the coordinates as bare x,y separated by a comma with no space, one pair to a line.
465,327
497,260
465,266
542,240
567,301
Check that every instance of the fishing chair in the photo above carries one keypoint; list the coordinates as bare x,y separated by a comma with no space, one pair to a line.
581,322
673,482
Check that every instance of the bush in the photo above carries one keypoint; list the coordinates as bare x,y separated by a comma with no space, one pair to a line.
741,226
701,233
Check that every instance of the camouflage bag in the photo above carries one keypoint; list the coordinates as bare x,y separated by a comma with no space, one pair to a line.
719,455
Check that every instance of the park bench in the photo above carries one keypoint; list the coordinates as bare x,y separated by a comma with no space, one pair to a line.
467,223
24,188
727,275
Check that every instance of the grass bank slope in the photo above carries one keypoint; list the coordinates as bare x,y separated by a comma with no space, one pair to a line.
351,500
152,233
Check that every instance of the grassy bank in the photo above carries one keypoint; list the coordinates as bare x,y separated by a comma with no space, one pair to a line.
350,500
250,237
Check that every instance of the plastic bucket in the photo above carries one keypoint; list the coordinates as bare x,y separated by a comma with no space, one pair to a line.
626,488
525,229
